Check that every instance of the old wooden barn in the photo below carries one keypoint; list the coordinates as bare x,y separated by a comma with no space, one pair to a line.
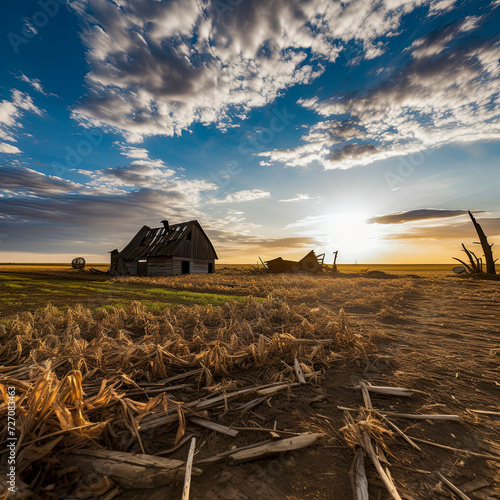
172,249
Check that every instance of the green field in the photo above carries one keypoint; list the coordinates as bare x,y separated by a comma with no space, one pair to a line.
28,288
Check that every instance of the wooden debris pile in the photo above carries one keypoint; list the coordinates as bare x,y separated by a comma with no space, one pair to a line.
310,263
366,434
94,389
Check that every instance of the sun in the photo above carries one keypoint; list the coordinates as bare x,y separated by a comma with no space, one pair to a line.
354,237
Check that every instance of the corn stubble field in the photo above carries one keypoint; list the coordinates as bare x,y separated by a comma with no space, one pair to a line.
131,365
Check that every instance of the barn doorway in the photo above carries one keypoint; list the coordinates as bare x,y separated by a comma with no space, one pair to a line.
142,267
210,267
185,266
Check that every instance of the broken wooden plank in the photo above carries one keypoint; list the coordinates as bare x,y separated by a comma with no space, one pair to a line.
274,447
208,424
452,487
359,482
299,372
129,470
189,468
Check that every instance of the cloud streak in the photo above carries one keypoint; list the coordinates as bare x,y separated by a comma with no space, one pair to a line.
417,215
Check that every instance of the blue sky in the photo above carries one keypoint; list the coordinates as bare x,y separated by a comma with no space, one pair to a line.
368,127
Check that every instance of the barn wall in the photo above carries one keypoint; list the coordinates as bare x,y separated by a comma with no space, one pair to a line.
160,266
198,248
196,266
132,267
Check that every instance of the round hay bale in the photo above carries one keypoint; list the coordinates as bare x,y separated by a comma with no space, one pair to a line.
78,263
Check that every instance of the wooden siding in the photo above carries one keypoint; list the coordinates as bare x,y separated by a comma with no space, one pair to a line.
160,266
169,266
132,267
197,248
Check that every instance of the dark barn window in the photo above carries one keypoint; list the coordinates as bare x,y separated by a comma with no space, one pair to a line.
185,267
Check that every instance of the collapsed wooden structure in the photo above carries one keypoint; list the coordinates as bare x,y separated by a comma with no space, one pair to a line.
172,249
311,263
475,265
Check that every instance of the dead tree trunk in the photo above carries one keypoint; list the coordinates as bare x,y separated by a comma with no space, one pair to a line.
488,254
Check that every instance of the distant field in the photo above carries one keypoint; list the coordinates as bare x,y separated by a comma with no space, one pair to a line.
342,267
28,287
31,287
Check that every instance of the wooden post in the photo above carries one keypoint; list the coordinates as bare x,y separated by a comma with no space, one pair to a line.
488,254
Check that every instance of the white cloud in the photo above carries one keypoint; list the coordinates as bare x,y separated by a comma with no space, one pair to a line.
448,92
158,67
132,152
12,111
301,197
241,196
35,83
9,148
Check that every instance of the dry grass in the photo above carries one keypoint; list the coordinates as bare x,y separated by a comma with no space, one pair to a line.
82,376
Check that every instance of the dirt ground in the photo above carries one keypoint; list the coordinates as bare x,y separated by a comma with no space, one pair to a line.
435,334
441,340
445,345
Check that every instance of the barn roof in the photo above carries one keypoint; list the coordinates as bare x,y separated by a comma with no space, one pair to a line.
160,242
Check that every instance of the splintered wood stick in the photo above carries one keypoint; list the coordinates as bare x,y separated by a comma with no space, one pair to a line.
486,412
214,426
455,418
299,372
391,391
399,431
272,390
189,467
458,450
358,477
367,445
274,448
452,487
366,396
